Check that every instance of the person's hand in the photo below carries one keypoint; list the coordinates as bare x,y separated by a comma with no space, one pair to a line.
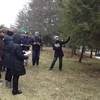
29,45
35,43
21,44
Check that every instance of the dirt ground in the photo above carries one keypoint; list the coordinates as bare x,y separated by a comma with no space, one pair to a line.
76,81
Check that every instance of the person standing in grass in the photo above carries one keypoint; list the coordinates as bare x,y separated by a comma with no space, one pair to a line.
24,44
6,59
17,62
2,34
57,47
36,43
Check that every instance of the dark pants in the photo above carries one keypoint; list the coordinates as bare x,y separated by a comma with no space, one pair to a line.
8,75
35,57
15,83
0,68
54,61
0,65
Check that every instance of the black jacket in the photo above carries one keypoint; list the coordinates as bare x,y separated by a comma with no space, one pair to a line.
17,57
7,51
36,46
57,46
1,47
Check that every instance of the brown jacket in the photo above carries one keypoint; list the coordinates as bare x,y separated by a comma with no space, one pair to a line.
1,47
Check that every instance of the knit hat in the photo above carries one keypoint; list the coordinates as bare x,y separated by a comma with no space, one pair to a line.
37,33
56,37
23,31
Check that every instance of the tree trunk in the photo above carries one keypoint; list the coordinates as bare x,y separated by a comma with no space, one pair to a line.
81,56
91,53
96,52
72,52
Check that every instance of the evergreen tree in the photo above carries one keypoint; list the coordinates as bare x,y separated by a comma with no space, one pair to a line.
80,20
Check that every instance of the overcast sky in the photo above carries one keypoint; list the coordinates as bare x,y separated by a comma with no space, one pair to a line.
9,10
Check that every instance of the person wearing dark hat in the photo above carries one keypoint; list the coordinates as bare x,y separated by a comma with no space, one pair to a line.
36,43
17,62
6,59
57,47
10,33
2,34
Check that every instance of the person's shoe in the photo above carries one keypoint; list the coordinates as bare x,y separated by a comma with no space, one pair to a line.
33,64
60,70
1,80
50,68
14,92
36,65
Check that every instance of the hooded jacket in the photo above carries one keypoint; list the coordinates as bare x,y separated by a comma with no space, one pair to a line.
17,57
7,51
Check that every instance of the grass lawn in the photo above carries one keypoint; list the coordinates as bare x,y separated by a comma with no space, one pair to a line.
77,81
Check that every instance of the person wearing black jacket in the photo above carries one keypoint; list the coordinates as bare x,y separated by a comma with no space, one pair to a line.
2,34
6,60
57,47
36,43
17,62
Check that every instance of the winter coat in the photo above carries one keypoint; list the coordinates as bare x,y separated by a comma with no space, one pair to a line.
29,43
26,43
1,47
36,46
7,54
17,57
57,47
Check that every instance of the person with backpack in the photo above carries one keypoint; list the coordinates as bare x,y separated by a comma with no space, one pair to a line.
57,47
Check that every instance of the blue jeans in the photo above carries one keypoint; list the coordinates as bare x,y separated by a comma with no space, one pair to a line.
35,57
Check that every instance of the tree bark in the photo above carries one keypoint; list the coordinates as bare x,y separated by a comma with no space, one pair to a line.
91,53
96,52
72,52
81,56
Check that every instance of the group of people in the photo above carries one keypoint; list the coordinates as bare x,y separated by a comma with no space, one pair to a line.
13,56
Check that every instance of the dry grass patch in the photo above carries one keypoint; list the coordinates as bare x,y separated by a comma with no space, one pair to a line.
71,84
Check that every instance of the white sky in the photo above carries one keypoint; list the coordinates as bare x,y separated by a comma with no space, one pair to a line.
9,10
